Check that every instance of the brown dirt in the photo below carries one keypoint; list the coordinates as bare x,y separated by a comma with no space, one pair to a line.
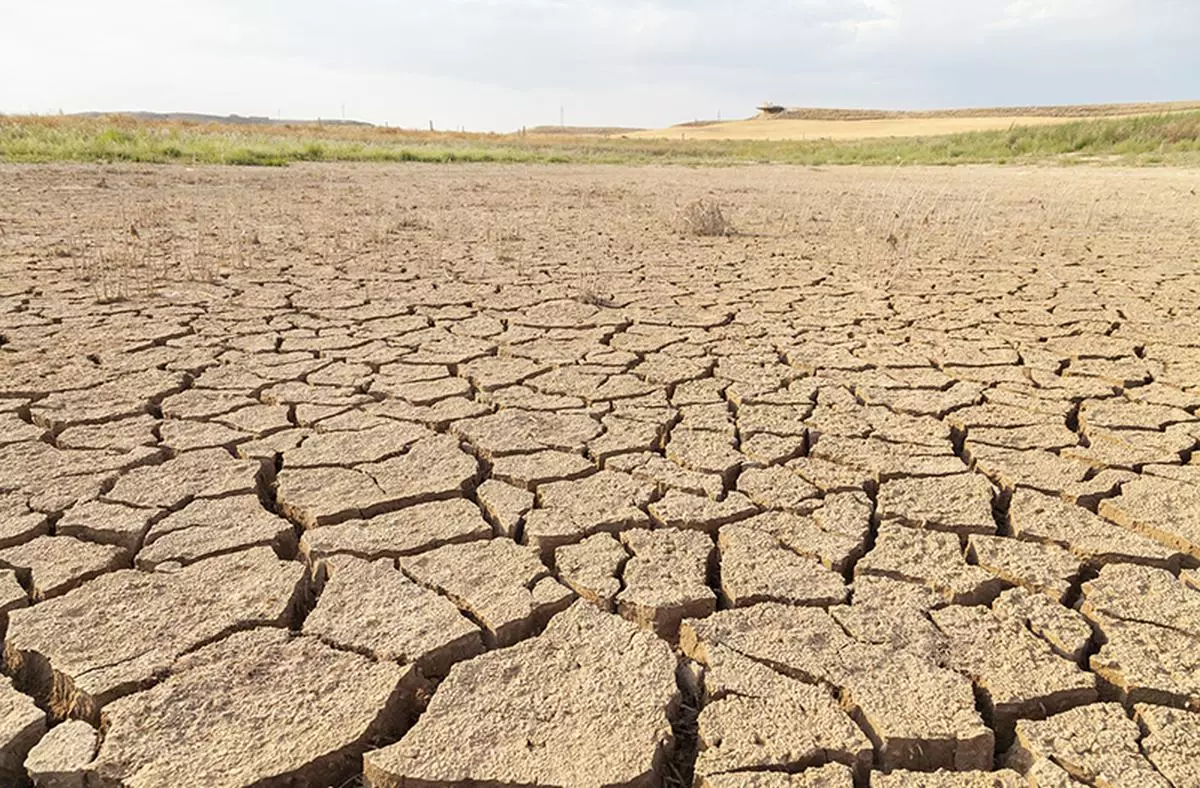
898,477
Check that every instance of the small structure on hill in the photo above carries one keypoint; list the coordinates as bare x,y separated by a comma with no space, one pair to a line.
768,109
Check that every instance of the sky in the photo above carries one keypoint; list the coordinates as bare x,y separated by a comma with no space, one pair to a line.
498,65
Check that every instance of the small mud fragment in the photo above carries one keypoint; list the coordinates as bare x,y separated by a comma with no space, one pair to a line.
758,567
1171,742
935,727
498,583
205,528
373,609
1165,511
1148,623
569,511
933,559
504,505
665,579
1040,567
1017,674
755,718
592,568
1042,518
960,503
22,724
408,531
1094,745
62,757
831,775
1065,629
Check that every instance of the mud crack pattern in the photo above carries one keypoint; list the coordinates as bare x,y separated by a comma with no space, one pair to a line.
606,507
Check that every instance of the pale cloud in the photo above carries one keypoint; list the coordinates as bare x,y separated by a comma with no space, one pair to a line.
500,64
1060,14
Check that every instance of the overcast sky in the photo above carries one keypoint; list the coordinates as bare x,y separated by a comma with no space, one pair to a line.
501,64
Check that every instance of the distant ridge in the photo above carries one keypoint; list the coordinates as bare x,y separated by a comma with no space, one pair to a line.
196,117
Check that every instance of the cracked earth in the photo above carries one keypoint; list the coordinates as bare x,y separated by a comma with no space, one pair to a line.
484,476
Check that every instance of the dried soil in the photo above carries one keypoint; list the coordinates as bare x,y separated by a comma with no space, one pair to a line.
479,475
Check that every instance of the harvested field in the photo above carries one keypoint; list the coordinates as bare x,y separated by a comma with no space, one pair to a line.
789,128
1045,111
480,476
859,124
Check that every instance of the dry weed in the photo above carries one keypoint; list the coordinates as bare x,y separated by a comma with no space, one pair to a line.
588,294
704,217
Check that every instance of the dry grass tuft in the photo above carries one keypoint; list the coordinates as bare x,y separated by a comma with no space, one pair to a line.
704,217
588,294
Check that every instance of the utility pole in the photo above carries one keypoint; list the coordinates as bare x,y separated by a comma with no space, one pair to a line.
562,115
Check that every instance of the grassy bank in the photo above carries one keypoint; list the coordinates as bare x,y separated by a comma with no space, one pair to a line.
1143,140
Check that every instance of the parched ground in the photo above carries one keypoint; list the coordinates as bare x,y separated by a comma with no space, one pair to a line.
487,476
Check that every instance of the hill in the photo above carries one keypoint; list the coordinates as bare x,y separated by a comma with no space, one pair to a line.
234,120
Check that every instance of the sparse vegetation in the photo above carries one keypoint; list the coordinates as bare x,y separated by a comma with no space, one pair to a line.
130,243
1143,140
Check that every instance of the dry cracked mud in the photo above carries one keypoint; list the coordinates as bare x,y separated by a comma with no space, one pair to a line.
481,476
